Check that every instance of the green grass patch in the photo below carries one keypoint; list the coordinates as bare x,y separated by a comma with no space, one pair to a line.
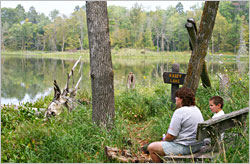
73,138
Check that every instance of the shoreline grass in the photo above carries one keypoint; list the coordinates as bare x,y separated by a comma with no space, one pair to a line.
124,52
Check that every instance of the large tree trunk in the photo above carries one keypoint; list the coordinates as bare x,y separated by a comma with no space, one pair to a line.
192,31
200,48
100,62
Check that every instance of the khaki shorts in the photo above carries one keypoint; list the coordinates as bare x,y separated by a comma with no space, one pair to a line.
176,149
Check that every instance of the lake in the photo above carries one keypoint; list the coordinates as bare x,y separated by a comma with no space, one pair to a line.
28,78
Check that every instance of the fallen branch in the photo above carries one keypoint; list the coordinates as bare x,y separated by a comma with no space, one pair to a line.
125,156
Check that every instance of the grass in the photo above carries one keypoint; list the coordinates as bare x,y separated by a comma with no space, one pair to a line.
144,112
124,52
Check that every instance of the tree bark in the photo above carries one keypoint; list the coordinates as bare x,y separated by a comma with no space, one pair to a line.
82,35
192,31
157,42
63,43
100,63
200,50
44,43
2,39
162,41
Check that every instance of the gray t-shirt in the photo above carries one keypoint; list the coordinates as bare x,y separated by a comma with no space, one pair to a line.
184,124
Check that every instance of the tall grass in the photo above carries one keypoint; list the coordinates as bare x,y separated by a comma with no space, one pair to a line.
144,111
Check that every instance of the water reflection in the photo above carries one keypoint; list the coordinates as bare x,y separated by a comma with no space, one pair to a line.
27,79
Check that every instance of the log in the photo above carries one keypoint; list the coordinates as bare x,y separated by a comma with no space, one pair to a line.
125,156
120,155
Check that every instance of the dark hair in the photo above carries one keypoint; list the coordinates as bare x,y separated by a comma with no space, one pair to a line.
217,100
187,95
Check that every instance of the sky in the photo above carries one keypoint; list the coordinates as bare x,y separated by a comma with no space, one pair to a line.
67,7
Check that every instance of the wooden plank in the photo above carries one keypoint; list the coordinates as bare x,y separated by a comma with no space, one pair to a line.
218,125
198,155
225,116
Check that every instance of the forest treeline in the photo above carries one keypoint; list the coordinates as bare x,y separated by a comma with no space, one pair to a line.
159,30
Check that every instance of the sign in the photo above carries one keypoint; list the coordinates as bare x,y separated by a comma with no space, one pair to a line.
174,77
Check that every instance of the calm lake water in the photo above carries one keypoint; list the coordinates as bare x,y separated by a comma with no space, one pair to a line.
25,79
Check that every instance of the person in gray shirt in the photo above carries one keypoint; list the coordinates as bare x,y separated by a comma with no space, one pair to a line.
181,135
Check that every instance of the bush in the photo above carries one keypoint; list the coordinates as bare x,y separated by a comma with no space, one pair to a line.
142,102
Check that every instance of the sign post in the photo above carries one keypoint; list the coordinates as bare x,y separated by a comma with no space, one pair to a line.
175,78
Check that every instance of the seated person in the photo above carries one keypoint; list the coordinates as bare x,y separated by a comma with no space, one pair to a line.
181,134
215,105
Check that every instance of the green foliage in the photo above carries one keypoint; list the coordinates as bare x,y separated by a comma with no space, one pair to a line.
140,103
73,138
162,29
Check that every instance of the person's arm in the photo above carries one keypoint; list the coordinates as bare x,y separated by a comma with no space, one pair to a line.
169,137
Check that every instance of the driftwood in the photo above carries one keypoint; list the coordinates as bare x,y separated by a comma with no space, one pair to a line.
65,99
125,156
131,80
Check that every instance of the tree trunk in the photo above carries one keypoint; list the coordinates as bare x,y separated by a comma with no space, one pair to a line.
205,77
168,45
63,43
44,43
192,31
80,42
212,45
22,44
54,39
200,49
2,39
174,48
157,42
100,63
162,41
82,35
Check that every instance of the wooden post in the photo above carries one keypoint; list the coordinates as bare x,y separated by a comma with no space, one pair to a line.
175,79
174,87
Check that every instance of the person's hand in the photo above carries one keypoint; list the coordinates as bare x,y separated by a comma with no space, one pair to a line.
163,137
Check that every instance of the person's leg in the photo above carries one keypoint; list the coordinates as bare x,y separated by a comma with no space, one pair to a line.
155,150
